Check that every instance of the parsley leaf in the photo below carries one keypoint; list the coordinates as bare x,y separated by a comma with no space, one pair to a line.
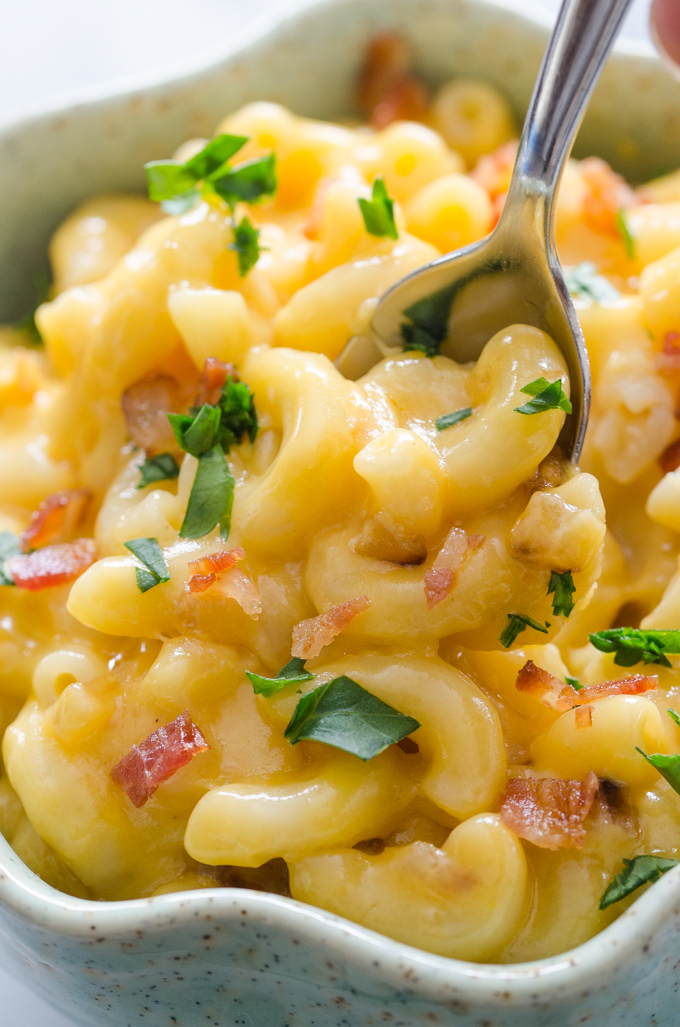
585,283
448,420
668,766
574,682
148,552
343,714
250,181
211,498
429,322
182,202
238,414
674,716
167,179
633,645
292,673
9,546
198,433
624,230
378,212
638,871
214,155
547,396
563,588
157,468
517,623
246,245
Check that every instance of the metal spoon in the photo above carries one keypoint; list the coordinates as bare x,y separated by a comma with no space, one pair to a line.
514,276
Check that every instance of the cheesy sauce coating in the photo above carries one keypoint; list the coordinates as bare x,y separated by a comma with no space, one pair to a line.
348,490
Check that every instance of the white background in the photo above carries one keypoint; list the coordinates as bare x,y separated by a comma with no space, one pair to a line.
54,47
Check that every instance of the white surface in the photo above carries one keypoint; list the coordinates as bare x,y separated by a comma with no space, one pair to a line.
48,48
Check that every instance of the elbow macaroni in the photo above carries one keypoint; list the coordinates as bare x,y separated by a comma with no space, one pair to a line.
349,489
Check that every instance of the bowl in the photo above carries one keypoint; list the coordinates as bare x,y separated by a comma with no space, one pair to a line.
230,956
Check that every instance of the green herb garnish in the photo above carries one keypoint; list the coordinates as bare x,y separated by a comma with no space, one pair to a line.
562,587
638,871
157,468
250,181
155,570
238,414
378,212
668,766
574,682
517,623
428,322
448,420
219,150
585,283
197,433
633,645
624,230
343,714
9,546
211,498
547,396
245,245
292,673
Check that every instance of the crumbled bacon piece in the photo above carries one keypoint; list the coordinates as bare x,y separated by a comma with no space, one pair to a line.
545,687
633,685
158,757
670,458
438,585
214,375
218,569
213,563
52,565
549,811
56,517
387,90
583,716
145,407
237,585
607,194
311,635
200,583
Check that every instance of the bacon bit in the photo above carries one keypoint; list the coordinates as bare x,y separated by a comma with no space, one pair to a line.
549,811
237,585
670,458
311,635
200,583
583,716
213,377
213,563
607,194
438,585
494,170
387,90
52,565
621,686
145,406
56,517
158,757
549,690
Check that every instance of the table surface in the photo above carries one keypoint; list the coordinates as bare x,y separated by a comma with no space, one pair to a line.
48,49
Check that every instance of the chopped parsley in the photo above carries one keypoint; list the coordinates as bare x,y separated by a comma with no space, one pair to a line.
448,420
155,570
211,497
343,714
636,872
562,588
517,623
428,322
157,468
668,766
633,645
547,396
9,546
584,283
177,186
245,245
238,414
378,212
198,432
293,672
624,231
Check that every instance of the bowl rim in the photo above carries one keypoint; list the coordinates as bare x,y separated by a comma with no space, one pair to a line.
38,903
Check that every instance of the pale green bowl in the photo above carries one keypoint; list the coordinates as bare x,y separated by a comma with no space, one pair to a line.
228,957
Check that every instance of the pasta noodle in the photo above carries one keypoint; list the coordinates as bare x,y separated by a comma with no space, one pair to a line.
414,524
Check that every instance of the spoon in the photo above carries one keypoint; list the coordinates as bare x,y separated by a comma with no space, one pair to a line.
514,276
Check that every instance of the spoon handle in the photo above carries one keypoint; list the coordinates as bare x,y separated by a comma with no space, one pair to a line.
578,48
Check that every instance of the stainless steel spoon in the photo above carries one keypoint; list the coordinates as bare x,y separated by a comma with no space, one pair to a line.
513,276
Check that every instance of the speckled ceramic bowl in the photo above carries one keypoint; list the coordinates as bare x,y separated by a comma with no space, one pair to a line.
226,956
